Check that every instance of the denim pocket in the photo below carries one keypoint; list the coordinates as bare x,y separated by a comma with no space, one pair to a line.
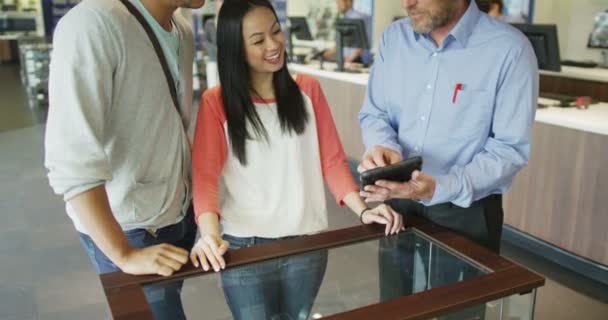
140,238
236,242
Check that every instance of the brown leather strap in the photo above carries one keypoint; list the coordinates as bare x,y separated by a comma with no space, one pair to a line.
157,48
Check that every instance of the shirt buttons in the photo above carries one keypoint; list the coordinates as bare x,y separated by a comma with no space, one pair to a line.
434,54
429,87
417,148
423,118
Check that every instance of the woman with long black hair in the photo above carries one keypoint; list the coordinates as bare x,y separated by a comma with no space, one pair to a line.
271,137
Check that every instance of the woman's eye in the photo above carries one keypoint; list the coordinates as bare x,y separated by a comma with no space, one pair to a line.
277,32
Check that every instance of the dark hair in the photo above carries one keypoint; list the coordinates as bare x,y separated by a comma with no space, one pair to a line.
235,82
500,4
486,5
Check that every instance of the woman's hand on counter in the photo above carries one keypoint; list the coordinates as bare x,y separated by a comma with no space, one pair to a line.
384,214
208,252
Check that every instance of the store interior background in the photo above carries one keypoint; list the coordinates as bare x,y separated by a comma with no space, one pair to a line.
574,20
45,274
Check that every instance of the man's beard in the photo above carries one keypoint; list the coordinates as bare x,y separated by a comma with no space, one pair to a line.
440,18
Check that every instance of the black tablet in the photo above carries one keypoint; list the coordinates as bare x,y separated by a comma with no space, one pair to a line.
400,172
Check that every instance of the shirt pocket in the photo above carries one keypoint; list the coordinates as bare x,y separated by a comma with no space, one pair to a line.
150,198
468,115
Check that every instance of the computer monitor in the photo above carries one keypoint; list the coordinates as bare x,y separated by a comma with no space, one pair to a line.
17,24
543,38
298,28
24,24
349,33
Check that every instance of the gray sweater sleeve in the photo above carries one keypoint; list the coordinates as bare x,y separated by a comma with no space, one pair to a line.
80,95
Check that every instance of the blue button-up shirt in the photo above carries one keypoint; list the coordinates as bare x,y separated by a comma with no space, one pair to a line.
467,107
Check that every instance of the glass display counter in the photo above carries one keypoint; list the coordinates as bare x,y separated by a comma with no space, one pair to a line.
425,272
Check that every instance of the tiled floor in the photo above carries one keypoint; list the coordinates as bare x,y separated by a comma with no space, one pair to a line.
45,274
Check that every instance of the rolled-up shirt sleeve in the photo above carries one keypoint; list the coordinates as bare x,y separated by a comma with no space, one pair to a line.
80,97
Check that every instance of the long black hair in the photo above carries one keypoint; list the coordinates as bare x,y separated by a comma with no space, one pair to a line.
235,81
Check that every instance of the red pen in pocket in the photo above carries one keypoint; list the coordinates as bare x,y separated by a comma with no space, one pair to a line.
456,89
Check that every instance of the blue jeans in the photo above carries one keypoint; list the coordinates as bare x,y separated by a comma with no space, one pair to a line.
283,288
164,299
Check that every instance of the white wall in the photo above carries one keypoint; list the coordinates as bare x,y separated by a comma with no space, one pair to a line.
297,8
319,13
574,21
384,11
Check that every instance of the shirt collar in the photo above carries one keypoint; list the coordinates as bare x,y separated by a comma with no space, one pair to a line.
463,29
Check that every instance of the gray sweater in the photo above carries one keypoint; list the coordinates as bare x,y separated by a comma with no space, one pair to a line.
111,118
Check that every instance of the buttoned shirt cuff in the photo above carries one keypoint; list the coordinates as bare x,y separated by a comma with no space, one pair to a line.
446,189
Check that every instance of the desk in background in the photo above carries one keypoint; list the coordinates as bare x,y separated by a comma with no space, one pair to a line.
561,196
576,81
344,93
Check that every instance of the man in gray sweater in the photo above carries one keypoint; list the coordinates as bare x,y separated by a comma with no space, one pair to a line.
117,148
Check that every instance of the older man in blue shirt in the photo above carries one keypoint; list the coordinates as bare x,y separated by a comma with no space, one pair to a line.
460,89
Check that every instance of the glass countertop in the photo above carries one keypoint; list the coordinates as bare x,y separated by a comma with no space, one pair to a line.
325,282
